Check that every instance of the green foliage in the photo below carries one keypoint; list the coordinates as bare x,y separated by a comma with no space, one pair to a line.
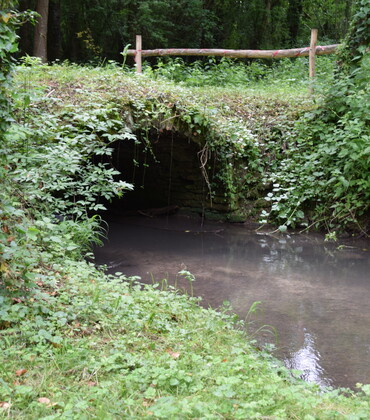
55,163
357,41
324,177
7,46
330,17
232,72
110,26
9,22
54,174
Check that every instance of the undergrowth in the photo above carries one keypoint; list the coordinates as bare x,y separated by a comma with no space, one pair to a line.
323,179
84,345
263,74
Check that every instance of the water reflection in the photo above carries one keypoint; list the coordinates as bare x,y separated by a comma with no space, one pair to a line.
315,296
307,360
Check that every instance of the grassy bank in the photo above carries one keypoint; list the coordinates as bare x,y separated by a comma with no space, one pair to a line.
87,346
77,344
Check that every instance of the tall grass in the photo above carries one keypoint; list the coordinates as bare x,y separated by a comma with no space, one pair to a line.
231,72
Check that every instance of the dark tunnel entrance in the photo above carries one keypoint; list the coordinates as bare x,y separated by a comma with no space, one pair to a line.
165,172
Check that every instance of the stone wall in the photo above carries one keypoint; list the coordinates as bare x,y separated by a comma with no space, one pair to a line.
166,173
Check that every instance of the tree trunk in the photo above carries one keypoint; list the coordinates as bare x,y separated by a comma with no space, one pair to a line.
294,19
26,30
41,31
348,13
54,38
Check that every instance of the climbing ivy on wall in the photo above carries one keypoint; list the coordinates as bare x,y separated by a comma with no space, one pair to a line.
229,156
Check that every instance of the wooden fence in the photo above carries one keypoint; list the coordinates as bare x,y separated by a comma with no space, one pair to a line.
310,51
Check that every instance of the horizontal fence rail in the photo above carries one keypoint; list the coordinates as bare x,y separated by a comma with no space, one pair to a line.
294,52
310,51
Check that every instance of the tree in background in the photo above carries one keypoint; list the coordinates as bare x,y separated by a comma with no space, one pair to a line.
94,29
40,39
294,15
330,17
54,36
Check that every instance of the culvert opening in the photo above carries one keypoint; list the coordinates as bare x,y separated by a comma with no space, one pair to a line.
166,173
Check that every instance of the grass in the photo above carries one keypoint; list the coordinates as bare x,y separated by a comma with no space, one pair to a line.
77,344
100,347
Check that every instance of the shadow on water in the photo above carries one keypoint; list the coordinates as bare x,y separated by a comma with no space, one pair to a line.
316,296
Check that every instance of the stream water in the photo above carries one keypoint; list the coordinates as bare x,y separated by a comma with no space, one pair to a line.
314,295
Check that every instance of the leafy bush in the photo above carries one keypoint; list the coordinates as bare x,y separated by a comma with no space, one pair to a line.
53,176
324,178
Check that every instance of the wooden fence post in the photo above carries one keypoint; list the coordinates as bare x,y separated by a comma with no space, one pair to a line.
138,54
312,56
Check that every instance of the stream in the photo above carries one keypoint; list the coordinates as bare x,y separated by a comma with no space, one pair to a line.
315,298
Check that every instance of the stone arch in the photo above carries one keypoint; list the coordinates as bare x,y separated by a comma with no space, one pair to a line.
164,167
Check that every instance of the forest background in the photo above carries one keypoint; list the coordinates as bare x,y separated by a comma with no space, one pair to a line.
85,30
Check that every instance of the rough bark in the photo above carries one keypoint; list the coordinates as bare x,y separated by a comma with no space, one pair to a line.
41,31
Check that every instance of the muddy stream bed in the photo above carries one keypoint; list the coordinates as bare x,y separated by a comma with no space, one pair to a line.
314,295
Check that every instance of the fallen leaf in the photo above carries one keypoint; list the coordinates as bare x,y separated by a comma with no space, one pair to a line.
17,300
173,354
20,372
4,268
44,400
91,383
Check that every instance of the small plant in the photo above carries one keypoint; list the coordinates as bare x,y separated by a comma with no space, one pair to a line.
124,54
189,277
331,237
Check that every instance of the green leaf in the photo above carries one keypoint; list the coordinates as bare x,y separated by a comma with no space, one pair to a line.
32,233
